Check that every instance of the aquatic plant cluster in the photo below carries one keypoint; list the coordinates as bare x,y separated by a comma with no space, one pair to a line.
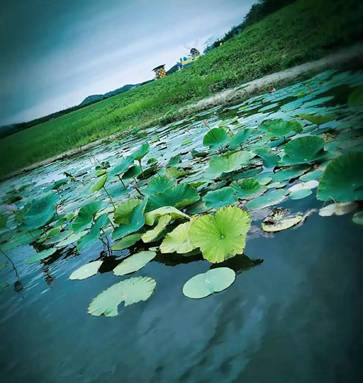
195,189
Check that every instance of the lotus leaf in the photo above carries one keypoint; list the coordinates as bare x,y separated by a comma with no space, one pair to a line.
313,175
134,263
179,196
132,172
222,235
158,184
178,240
135,222
86,215
337,209
228,163
130,291
318,119
124,210
126,242
270,198
218,198
240,138
246,188
94,234
342,180
279,220
289,174
215,138
86,271
140,152
152,216
73,237
279,127
303,150
122,166
269,158
99,184
300,194
304,186
40,211
210,282
152,234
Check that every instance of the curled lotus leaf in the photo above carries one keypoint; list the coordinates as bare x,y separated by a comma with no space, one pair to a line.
122,166
86,215
210,282
152,216
99,184
222,235
86,271
132,172
140,152
269,158
94,234
342,180
134,263
152,234
129,291
215,138
177,241
123,211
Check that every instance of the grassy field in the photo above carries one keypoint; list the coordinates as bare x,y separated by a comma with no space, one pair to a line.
303,31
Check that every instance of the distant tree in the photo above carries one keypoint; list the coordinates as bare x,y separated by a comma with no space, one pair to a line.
257,12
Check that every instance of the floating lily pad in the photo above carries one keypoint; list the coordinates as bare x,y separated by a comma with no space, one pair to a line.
218,198
300,194
178,240
279,127
134,263
338,209
240,138
126,242
215,138
86,271
270,198
280,220
227,163
129,291
303,150
269,158
304,186
222,235
342,180
210,282
313,175
40,211
246,188
289,174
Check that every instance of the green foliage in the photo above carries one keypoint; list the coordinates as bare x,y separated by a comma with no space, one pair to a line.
218,198
134,263
303,149
40,211
227,163
86,215
279,127
246,188
216,138
178,240
99,184
342,180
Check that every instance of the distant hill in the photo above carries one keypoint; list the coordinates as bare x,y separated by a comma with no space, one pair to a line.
98,97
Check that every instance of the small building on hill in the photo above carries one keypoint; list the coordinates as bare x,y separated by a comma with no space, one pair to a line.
160,71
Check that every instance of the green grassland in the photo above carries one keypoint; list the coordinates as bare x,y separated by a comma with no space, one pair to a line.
302,31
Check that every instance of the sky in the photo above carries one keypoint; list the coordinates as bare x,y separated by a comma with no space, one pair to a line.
54,53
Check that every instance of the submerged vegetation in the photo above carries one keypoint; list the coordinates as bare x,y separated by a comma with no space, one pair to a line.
194,191
302,31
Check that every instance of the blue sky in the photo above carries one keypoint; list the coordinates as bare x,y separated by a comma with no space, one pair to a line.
54,53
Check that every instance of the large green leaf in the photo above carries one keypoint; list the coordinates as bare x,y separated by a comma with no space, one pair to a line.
134,263
240,138
215,138
99,184
342,180
303,150
179,196
227,163
129,291
289,174
86,215
94,234
218,198
279,127
123,211
270,198
136,221
178,240
140,152
40,211
210,282
269,158
122,166
222,235
159,184
127,241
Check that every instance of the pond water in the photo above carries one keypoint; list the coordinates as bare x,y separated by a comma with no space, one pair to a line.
294,316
